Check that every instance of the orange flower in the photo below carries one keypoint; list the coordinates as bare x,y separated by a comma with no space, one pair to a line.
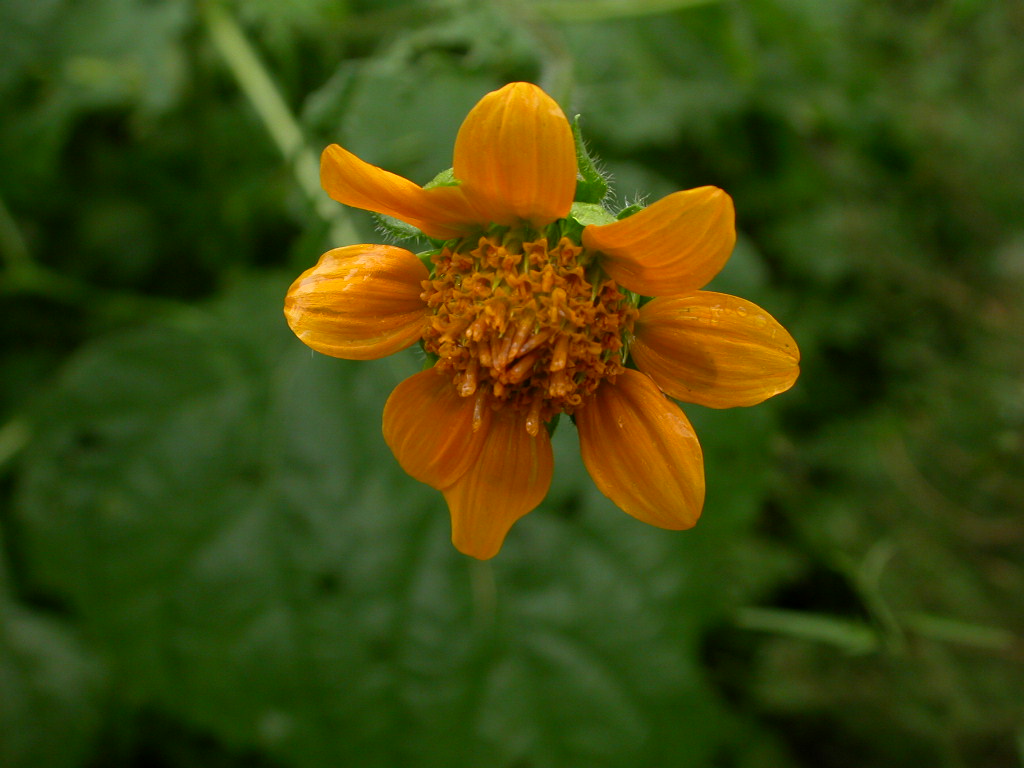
527,314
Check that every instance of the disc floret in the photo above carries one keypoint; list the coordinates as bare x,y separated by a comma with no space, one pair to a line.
525,321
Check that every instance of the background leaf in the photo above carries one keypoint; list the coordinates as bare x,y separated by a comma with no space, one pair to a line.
210,558
217,494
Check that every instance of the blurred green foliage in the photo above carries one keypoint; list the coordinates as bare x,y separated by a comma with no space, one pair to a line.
210,558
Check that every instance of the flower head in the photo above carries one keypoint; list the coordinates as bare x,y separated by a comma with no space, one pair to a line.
531,309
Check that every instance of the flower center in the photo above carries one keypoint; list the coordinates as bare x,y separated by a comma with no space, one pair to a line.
525,324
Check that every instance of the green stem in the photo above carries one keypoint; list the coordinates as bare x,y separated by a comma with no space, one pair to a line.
852,636
485,594
961,633
257,85
601,10
860,637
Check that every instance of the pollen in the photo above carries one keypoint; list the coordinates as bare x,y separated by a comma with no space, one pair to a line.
525,325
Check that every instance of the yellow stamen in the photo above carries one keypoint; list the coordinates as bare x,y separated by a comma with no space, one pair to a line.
522,333
533,418
478,409
522,369
561,353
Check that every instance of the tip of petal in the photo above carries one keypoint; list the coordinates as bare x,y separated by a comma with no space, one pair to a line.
521,88
511,475
722,199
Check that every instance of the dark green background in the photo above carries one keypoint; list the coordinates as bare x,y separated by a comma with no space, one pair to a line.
210,558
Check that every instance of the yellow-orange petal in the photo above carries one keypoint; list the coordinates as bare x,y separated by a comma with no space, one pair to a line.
442,212
430,430
516,158
510,477
714,349
360,302
672,247
642,453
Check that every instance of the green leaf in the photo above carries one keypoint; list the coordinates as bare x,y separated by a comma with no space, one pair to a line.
48,685
590,213
445,178
651,80
395,228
